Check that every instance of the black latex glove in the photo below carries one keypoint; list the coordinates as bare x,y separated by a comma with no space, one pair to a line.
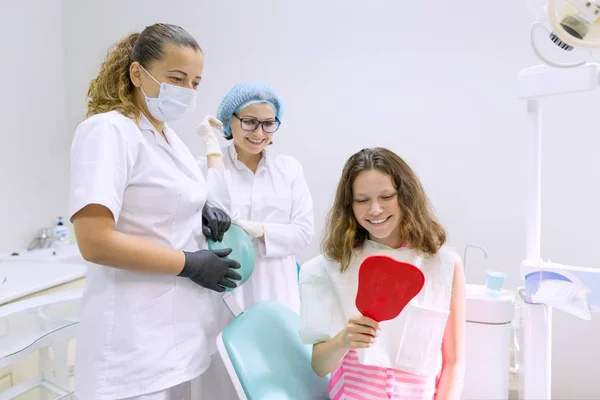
209,269
215,222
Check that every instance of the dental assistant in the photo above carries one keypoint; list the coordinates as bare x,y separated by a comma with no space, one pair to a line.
151,307
269,197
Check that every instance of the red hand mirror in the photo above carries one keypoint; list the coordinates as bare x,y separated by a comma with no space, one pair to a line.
385,286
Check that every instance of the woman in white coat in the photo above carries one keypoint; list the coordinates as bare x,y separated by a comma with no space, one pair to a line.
150,308
268,198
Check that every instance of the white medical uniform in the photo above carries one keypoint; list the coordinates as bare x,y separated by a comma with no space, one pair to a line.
277,196
142,333
412,341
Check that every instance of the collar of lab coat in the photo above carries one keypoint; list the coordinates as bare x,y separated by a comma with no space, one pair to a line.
264,162
145,125
172,145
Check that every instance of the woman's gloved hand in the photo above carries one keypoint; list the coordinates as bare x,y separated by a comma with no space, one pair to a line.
207,130
210,269
215,222
254,229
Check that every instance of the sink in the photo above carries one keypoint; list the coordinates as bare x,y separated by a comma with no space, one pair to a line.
67,254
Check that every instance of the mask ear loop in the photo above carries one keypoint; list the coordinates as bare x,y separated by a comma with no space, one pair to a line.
532,29
148,73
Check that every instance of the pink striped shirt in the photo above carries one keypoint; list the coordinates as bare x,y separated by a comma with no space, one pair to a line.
353,380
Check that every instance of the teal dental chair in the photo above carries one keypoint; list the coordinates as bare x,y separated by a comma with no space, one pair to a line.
265,358
262,351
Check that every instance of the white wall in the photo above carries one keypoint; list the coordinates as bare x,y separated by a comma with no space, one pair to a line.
433,81
35,141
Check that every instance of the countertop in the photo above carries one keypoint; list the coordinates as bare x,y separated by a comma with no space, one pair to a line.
32,273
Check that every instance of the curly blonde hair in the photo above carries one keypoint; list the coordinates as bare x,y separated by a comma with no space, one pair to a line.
112,89
419,229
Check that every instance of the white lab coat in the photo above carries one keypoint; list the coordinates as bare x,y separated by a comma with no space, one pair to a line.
277,196
412,341
139,332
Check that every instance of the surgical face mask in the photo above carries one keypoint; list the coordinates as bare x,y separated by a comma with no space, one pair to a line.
172,102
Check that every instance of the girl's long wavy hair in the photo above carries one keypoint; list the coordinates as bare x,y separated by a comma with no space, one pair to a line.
419,228
112,89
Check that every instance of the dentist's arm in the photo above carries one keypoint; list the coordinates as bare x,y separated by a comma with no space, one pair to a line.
207,132
102,162
218,178
289,238
453,344
101,244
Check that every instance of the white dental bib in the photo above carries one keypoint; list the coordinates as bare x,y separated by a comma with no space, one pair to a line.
412,341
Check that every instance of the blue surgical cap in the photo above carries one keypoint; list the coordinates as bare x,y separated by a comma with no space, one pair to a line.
242,95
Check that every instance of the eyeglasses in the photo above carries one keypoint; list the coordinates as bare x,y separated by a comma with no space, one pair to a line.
250,124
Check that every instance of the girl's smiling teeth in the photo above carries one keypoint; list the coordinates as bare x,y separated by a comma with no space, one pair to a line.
378,221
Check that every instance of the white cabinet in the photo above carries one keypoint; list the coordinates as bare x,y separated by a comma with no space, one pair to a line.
489,338
39,306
